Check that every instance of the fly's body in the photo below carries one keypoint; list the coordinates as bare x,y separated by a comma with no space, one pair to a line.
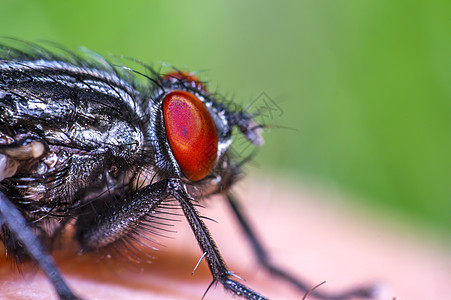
85,131
85,143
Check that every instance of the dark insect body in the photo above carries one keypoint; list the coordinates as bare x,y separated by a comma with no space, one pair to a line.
102,148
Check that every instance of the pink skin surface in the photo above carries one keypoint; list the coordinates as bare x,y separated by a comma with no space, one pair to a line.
311,233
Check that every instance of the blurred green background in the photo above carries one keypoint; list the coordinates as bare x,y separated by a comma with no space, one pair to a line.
363,86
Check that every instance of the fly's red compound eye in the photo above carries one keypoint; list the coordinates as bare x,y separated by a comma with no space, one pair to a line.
191,134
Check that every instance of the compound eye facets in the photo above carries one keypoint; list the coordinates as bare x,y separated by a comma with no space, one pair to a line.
191,134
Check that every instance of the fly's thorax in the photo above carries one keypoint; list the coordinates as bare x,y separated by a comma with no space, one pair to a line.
67,175
89,120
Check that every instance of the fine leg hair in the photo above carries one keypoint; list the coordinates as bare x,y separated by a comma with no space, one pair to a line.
11,217
96,231
216,264
117,220
264,260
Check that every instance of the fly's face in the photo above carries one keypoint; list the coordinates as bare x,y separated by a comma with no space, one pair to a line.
194,131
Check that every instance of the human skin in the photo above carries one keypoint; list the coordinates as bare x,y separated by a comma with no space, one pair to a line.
309,233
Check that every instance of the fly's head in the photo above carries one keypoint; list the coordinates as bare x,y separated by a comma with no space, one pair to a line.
192,133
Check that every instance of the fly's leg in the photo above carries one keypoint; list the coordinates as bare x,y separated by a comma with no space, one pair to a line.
124,216
216,264
263,259
116,220
23,149
11,217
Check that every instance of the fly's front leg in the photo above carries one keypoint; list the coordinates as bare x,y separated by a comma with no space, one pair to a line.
216,264
366,292
11,217
25,148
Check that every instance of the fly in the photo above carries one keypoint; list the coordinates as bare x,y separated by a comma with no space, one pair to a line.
105,149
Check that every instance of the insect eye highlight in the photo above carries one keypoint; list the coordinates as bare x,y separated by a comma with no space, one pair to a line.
191,134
